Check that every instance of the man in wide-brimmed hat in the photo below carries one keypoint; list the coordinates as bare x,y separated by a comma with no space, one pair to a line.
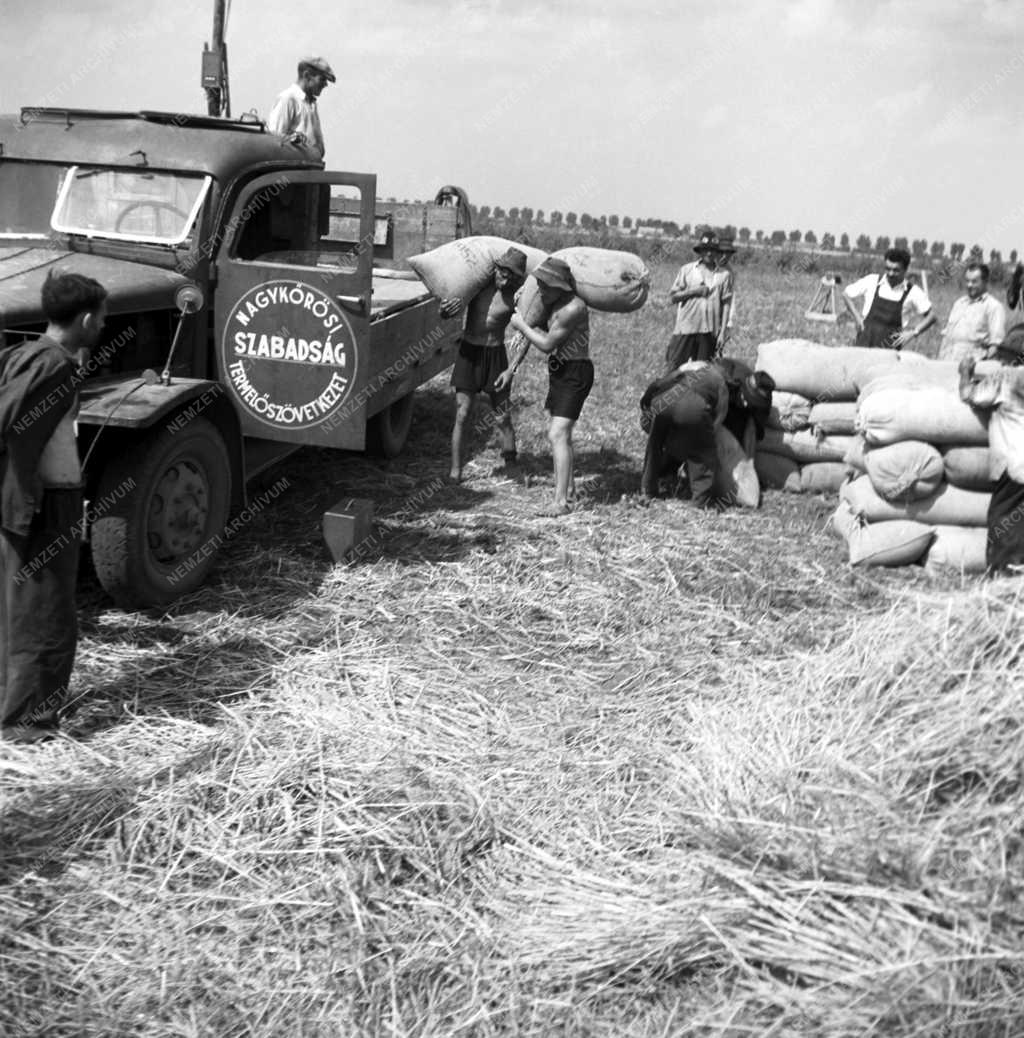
295,114
482,356
565,338
700,294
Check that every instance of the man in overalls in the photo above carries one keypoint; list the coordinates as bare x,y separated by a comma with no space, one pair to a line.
886,299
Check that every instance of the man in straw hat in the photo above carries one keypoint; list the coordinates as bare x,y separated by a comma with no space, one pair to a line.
701,294
565,338
482,356
1002,394
295,114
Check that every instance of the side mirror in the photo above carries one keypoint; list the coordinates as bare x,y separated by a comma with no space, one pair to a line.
189,298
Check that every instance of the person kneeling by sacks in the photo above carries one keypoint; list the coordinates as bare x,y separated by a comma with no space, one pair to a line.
1002,393
566,340
681,412
482,356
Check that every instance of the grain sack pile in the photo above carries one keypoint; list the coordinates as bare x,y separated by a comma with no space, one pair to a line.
812,422
919,488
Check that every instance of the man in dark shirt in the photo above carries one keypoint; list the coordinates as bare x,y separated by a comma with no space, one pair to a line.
681,412
41,508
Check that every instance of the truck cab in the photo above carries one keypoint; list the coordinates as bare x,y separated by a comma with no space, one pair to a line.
257,303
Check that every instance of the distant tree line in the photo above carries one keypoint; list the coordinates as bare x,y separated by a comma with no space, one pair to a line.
920,249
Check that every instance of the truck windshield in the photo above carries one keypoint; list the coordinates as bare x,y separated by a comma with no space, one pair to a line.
129,205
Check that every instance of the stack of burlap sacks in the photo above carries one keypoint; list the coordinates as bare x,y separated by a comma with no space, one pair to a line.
920,464
913,462
814,410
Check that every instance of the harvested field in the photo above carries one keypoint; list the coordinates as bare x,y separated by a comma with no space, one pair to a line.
637,772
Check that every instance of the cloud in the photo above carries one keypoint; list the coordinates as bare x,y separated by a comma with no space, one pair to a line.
808,17
894,107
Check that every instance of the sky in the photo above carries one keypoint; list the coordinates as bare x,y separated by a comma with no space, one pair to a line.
876,116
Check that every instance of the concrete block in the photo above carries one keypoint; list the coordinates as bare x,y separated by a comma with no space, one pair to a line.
348,529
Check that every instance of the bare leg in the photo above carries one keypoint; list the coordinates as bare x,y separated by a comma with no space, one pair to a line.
463,409
560,436
503,420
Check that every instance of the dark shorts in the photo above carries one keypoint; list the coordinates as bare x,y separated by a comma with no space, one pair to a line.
569,385
476,368
696,346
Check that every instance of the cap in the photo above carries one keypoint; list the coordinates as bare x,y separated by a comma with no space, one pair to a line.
514,261
757,389
318,65
556,273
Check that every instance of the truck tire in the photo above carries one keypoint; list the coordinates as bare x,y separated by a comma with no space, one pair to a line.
159,540
387,431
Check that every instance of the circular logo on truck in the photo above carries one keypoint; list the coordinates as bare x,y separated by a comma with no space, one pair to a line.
288,354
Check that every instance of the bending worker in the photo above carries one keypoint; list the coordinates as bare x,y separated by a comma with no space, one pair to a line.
887,302
681,413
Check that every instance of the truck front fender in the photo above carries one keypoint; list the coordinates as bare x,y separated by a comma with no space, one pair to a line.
116,412
136,403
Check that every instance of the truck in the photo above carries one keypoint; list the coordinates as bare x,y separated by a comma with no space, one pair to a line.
257,304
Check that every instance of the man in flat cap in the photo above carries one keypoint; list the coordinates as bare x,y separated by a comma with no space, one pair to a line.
294,114
482,356
565,338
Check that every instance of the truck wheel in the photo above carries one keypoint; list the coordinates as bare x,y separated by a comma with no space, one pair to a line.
387,431
158,540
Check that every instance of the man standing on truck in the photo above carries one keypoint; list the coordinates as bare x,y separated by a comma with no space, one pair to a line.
41,508
565,338
295,114
482,356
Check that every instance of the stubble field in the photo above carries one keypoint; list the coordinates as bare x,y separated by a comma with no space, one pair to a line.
637,772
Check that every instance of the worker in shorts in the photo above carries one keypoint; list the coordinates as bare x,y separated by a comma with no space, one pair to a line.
564,335
482,356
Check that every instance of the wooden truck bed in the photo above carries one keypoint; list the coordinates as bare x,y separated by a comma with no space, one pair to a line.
409,341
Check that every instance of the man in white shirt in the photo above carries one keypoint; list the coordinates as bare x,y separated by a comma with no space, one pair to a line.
1002,395
977,322
702,295
294,114
888,302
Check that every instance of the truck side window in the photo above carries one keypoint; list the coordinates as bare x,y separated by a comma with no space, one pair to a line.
274,223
